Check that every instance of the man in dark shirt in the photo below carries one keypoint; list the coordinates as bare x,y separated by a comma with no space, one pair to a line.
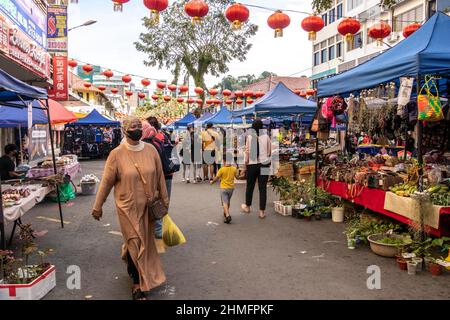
7,165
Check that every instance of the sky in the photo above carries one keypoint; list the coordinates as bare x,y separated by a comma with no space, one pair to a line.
109,42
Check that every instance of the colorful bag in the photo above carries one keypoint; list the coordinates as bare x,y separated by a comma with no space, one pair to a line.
327,111
338,105
172,235
429,105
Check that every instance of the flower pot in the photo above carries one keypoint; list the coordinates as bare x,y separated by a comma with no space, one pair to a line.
337,214
419,262
295,212
435,269
317,216
351,243
307,218
412,266
35,290
402,265
357,240
326,215
384,249
426,262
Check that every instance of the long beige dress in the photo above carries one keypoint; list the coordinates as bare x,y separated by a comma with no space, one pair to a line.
137,229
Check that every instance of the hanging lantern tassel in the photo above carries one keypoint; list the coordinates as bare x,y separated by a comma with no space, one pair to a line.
118,7
154,17
379,41
312,35
196,21
278,33
237,25
349,37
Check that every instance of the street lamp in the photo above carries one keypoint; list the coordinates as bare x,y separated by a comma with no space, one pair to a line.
87,23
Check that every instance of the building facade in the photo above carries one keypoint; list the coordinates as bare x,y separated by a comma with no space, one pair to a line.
332,54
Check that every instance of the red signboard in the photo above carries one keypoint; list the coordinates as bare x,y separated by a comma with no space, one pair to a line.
60,90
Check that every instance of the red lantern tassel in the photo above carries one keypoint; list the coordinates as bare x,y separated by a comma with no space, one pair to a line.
154,17
237,25
278,33
312,35
118,7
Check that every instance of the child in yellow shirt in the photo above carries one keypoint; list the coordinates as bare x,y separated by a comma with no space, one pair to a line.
226,174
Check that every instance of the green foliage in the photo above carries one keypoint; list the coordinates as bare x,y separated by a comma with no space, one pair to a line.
322,5
179,45
363,229
231,83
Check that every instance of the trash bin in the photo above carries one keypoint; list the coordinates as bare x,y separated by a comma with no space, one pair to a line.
88,188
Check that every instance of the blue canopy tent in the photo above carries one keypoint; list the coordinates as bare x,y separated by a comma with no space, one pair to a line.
426,51
96,119
224,117
18,117
15,94
183,122
203,119
280,101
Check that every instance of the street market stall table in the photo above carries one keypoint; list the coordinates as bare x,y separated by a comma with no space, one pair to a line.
70,170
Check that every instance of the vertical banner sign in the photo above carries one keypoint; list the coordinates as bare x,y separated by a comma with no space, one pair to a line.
57,29
60,90
404,94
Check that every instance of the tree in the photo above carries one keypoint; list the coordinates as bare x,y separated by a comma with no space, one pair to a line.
232,83
322,5
179,45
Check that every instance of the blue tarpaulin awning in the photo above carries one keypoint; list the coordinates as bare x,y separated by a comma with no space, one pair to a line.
280,101
224,116
203,119
95,118
11,88
183,122
426,51
15,117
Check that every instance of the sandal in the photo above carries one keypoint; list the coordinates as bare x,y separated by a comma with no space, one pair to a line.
138,295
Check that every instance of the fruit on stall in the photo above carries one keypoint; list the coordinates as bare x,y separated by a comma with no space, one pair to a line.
404,190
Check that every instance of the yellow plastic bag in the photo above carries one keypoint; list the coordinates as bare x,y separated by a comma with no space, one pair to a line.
172,235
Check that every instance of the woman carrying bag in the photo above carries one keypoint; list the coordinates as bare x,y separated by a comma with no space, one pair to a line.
258,151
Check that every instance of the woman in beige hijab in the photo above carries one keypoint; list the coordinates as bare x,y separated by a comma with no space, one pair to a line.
122,172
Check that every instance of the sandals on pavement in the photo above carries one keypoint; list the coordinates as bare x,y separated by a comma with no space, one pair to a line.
245,209
138,295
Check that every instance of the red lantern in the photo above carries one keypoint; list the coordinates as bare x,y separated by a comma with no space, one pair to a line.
279,21
410,29
250,101
72,63
87,84
129,93
101,88
238,93
145,82
180,100
199,101
114,90
248,93
303,94
239,102
312,25
229,102
199,90
155,7
141,95
209,101
126,79
259,94
348,28
172,87
226,93
155,97
108,73
88,68
213,92
310,92
217,101
167,98
190,100
379,31
118,4
184,89
237,14
196,9
297,91
161,85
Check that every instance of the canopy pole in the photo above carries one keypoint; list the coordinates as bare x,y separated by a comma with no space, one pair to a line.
316,160
54,162
2,221
420,159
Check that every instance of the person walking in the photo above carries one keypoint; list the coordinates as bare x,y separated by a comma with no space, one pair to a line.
187,157
135,171
209,143
257,157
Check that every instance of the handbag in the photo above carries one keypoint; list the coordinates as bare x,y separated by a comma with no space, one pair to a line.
156,209
429,105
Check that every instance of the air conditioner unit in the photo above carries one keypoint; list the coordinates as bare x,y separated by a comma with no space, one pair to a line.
394,37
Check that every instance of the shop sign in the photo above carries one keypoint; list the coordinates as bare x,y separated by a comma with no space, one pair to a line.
29,18
60,91
4,33
57,29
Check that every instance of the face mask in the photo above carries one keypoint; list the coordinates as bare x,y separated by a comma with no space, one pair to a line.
135,135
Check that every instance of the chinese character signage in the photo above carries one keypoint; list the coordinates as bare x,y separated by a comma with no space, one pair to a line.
60,90
28,17
57,29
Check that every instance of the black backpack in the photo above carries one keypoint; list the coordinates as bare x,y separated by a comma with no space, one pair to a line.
170,163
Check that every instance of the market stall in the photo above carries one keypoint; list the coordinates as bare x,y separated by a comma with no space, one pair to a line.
383,178
183,122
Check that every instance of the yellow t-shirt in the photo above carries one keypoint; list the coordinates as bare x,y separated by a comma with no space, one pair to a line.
208,141
227,175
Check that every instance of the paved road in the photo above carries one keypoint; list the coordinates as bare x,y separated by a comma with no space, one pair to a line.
275,258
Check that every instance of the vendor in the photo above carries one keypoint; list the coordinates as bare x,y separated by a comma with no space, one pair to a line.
7,163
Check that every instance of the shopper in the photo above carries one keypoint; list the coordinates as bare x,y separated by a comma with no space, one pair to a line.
187,157
227,173
209,142
135,171
258,150
7,163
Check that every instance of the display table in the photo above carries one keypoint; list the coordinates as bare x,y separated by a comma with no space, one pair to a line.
374,149
68,170
375,200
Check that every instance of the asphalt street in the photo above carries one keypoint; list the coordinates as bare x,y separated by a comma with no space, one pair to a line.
275,258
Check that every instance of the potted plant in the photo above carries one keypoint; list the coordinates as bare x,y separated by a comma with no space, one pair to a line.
307,214
401,263
20,279
434,267
411,266
337,211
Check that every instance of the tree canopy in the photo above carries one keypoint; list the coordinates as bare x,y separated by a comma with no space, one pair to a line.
196,50
322,5
232,83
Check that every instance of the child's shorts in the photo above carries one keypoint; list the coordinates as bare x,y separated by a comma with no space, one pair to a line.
226,194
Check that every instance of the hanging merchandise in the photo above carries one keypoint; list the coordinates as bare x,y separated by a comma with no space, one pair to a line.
338,105
429,105
404,95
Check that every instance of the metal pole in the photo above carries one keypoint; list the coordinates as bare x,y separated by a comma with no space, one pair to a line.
54,161
316,159
420,160
2,221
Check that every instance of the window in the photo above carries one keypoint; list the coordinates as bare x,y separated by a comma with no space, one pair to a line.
352,4
339,49
323,55
324,18
356,43
408,17
316,59
323,44
331,55
339,11
316,47
331,16
338,37
331,41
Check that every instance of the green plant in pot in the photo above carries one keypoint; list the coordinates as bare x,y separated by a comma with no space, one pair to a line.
307,214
